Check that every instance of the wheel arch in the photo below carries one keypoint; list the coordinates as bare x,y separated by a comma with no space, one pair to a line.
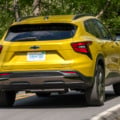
100,61
95,94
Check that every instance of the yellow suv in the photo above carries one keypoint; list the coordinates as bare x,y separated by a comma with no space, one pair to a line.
56,54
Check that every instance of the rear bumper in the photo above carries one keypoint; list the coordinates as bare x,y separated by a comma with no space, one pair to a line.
44,80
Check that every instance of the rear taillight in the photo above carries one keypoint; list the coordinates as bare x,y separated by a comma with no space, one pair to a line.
82,47
1,47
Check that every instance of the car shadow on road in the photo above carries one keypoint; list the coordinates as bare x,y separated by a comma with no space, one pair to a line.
53,101
70,100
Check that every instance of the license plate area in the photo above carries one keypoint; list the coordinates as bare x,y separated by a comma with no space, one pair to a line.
36,56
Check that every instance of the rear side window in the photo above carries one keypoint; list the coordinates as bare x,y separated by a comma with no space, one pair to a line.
105,33
41,32
97,29
92,28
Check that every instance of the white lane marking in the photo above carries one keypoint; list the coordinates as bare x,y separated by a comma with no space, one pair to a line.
110,114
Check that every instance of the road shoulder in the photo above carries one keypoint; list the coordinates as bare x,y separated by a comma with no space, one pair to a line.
110,114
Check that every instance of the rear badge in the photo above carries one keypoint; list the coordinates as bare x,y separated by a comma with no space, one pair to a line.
34,47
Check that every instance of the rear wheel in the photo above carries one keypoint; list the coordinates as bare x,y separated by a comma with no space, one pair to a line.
43,94
116,88
96,94
7,98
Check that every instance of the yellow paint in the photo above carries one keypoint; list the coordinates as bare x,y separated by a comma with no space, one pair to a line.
59,55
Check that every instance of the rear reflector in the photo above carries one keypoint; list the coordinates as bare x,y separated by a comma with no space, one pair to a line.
1,47
69,72
82,47
3,74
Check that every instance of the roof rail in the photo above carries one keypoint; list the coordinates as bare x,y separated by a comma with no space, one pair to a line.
23,18
80,15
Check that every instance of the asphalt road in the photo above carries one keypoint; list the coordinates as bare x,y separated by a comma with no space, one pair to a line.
70,106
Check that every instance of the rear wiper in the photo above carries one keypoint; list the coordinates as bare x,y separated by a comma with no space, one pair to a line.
26,39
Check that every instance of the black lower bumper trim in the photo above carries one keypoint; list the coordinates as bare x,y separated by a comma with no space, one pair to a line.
45,79
42,86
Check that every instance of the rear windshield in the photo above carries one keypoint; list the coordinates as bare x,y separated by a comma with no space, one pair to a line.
41,32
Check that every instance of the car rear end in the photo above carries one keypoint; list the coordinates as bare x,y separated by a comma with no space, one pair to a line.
45,55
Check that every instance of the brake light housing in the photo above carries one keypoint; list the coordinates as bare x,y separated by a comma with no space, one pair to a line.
82,47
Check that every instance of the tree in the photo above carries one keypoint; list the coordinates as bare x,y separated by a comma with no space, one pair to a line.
106,10
103,9
16,9
36,7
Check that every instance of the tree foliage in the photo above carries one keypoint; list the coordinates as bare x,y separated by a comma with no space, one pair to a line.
107,10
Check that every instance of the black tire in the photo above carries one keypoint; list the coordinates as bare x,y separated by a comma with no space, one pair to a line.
7,98
96,94
116,88
43,94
